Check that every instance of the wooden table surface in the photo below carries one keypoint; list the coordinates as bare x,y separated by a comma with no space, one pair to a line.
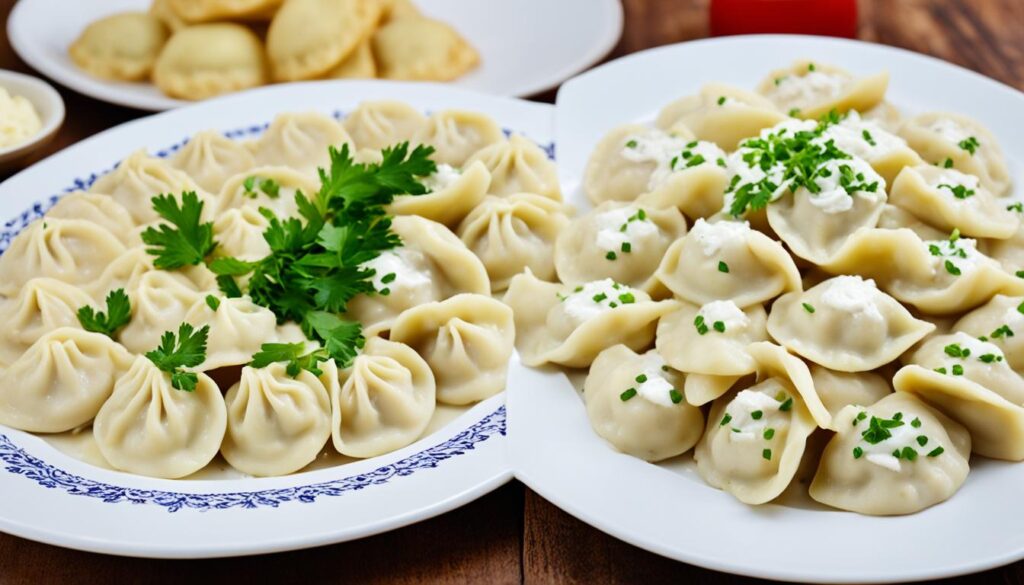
513,535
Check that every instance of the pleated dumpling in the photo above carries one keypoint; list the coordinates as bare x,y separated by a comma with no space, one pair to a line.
894,218
696,181
300,141
949,199
727,260
978,360
431,265
863,138
967,144
510,234
518,165
272,187
380,124
307,38
210,158
422,49
238,328
452,194
159,304
61,381
384,400
239,234
1010,251
720,113
207,60
127,270
635,402
467,340
148,427
42,305
845,324
1001,321
122,46
457,135
617,240
139,178
101,210
838,390
74,251
631,160
897,456
810,90
207,10
569,325
277,423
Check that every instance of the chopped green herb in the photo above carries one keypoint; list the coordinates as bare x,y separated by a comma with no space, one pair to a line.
186,350
719,326
909,453
941,370
768,434
947,164
808,307
952,268
936,451
627,394
699,324
599,297
721,100
957,370
627,247
186,239
627,298
916,423
641,378
725,420
212,302
723,267
878,429
610,255
958,191
786,405
675,396
922,440
970,144
118,314
857,452
1018,207
631,144
767,454
868,138
1003,331
810,67
294,354
756,415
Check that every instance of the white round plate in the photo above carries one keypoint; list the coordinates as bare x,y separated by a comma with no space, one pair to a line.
51,497
667,508
524,45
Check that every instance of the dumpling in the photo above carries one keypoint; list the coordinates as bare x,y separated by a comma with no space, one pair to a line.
518,165
159,304
457,135
860,137
635,402
467,340
207,60
631,160
122,46
696,183
359,64
309,37
127,270
894,217
396,9
885,115
727,260
422,49
61,381
278,424
810,90
210,158
571,325
207,10
845,324
74,251
431,265
380,124
1001,322
617,240
238,327
300,141
42,305
147,427
1009,252
720,113
964,142
271,187
949,199
510,234
138,179
700,389
163,10
239,234
962,355
384,400
452,194
897,456
838,390
101,210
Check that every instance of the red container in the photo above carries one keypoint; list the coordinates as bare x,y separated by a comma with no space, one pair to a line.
834,18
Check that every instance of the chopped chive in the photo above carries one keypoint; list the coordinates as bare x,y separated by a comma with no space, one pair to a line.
787,405
857,452
941,370
909,453
675,396
767,454
756,415
627,247
922,440
723,267
725,420
916,423
631,144
958,370
627,394
611,256
212,302
808,307
389,278
952,268
721,100
719,326
768,434
641,378
936,451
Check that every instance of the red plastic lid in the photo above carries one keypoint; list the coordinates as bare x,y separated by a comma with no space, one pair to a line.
836,18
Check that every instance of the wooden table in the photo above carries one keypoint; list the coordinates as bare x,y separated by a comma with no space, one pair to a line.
513,535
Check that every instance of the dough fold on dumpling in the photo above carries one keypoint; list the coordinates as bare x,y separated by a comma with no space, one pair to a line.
456,135
631,160
453,194
307,38
948,199
380,124
518,165
1001,321
159,304
300,141
207,60
422,49
720,113
838,390
210,158
138,179
101,210
963,141
122,46
238,328
270,187
207,10
809,90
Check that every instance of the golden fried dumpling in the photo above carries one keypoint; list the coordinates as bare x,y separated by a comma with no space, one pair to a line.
209,10
422,49
122,46
360,64
163,10
210,59
308,38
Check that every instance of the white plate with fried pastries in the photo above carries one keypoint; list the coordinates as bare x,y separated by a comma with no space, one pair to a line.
144,59
831,393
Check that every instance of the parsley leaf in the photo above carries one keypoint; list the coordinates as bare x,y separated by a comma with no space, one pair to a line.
119,312
295,354
187,240
186,350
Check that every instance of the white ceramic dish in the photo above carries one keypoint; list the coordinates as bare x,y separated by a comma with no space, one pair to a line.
667,508
523,46
47,103
51,497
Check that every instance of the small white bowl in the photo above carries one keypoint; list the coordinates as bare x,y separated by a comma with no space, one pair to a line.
48,105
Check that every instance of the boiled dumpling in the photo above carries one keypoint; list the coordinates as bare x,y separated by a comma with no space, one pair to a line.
810,90
720,113
238,328
451,195
949,199
1009,252
1001,322
122,46
696,183
863,138
893,218
207,10
962,143
467,340
159,304
838,390
380,124
300,141
42,305
127,270
207,60
268,187
635,402
631,160
518,165
209,158
457,135
422,49
138,179
962,355
307,38
101,210
239,234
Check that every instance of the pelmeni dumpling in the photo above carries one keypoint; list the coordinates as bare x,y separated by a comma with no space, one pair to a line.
309,37
861,472
384,400
467,340
810,90
860,137
207,10
139,178
696,183
238,327
380,124
207,60
239,234
961,355
457,135
159,304
210,158
838,390
617,240
431,265
452,194
720,113
635,402
512,233
885,115
570,325
631,160
422,49
126,272
894,217
74,251
41,305
272,187
727,260
61,381
122,46
101,210
1001,322
965,142
278,424
845,324
518,165
1009,252
949,199
300,141
149,428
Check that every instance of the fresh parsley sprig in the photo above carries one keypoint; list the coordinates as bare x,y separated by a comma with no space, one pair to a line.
186,350
118,314
294,354
187,240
